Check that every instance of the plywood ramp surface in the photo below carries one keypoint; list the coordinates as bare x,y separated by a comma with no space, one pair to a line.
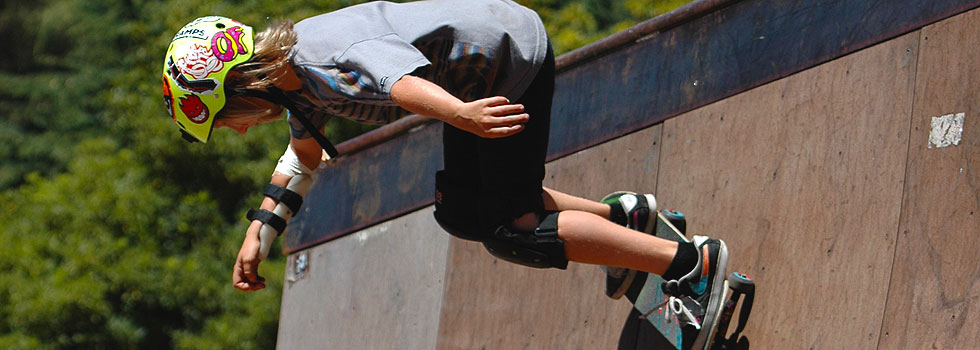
380,288
934,299
803,179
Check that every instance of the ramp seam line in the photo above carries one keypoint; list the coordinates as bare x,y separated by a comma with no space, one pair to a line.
905,183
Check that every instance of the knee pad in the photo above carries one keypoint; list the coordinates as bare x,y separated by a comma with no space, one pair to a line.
540,248
457,212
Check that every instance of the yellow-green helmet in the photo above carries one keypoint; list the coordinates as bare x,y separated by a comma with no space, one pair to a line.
199,58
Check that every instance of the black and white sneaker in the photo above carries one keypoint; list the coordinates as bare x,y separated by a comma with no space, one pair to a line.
703,289
641,215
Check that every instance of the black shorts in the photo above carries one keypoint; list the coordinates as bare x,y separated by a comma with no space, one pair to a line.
502,177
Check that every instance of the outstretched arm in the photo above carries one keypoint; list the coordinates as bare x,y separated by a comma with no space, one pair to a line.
246,272
491,117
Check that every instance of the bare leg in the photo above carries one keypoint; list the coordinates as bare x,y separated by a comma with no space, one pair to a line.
592,239
560,201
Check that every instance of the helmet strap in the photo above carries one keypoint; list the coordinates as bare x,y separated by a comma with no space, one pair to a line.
277,96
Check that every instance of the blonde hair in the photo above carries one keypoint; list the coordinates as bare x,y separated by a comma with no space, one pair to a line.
268,66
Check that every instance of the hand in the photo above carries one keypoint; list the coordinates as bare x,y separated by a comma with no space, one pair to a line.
492,117
246,276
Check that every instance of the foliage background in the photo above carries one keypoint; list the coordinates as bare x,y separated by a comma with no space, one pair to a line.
119,235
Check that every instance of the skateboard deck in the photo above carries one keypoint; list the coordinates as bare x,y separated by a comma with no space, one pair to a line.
661,311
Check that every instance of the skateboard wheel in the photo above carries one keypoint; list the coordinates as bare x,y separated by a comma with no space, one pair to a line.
741,282
676,218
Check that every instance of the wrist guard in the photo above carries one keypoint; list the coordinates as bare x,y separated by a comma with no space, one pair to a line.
274,222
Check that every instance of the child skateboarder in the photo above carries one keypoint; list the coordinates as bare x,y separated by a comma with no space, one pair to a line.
483,67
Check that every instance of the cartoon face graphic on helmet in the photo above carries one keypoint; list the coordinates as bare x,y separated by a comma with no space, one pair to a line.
194,109
195,67
199,62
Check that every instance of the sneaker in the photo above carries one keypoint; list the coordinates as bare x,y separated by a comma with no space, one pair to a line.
641,215
703,289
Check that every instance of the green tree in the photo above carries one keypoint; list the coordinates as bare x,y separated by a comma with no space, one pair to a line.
46,85
575,23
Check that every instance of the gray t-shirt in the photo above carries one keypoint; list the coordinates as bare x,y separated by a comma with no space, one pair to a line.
349,59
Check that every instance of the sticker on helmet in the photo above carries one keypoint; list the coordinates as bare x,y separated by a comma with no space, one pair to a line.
199,62
168,99
228,44
195,33
194,108
201,86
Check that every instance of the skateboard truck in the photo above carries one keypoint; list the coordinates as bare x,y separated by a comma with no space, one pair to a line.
740,284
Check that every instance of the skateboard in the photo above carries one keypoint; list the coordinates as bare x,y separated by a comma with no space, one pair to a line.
678,319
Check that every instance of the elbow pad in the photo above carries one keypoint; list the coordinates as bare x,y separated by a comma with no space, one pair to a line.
274,222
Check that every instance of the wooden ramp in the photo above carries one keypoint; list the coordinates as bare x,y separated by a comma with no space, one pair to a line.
839,182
